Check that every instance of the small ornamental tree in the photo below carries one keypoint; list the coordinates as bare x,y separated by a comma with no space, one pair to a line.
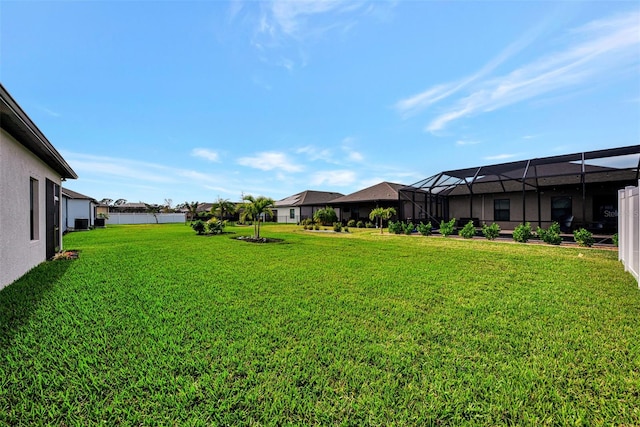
222,208
395,227
382,213
199,227
468,231
407,228
551,235
326,216
446,228
522,233
192,210
254,208
583,237
491,232
424,229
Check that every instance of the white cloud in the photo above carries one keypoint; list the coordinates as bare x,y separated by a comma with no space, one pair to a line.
416,103
594,53
290,17
348,147
207,154
118,168
355,156
337,178
315,153
269,161
284,24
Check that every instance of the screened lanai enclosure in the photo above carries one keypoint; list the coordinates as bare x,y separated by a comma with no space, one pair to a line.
575,190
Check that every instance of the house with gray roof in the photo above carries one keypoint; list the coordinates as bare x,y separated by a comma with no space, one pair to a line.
300,206
358,205
31,174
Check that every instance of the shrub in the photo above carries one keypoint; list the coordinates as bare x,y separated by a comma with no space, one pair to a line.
395,227
326,216
583,237
522,233
215,226
369,224
351,223
315,227
446,228
346,229
337,227
360,224
468,231
491,231
407,228
198,227
614,239
425,229
552,235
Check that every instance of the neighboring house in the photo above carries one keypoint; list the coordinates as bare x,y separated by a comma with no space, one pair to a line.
78,211
129,208
298,207
102,210
358,205
31,172
575,190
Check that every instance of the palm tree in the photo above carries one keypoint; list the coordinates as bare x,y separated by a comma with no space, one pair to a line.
256,207
153,210
192,209
223,207
382,213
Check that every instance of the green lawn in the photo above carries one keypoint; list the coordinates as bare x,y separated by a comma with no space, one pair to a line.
154,325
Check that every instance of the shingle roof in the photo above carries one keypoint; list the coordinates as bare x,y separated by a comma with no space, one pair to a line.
309,197
70,194
384,191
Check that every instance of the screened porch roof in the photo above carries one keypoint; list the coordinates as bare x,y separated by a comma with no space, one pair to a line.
609,165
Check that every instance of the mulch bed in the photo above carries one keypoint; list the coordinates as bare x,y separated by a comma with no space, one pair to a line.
252,239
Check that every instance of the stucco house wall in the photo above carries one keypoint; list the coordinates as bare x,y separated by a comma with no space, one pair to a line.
31,171
483,207
77,206
282,214
18,252
74,208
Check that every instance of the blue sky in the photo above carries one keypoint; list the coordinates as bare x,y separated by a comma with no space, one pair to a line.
190,101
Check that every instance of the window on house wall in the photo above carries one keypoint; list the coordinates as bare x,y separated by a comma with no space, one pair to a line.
561,208
501,210
292,213
33,209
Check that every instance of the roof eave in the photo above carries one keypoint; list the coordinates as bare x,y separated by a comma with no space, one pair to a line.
16,122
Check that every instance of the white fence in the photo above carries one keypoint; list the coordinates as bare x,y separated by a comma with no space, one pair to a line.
145,218
629,229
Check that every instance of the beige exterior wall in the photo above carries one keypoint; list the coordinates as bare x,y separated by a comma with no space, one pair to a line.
483,207
18,252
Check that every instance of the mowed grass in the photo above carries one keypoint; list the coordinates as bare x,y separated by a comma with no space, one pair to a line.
154,325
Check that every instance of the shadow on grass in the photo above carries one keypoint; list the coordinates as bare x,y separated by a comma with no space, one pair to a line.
19,300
